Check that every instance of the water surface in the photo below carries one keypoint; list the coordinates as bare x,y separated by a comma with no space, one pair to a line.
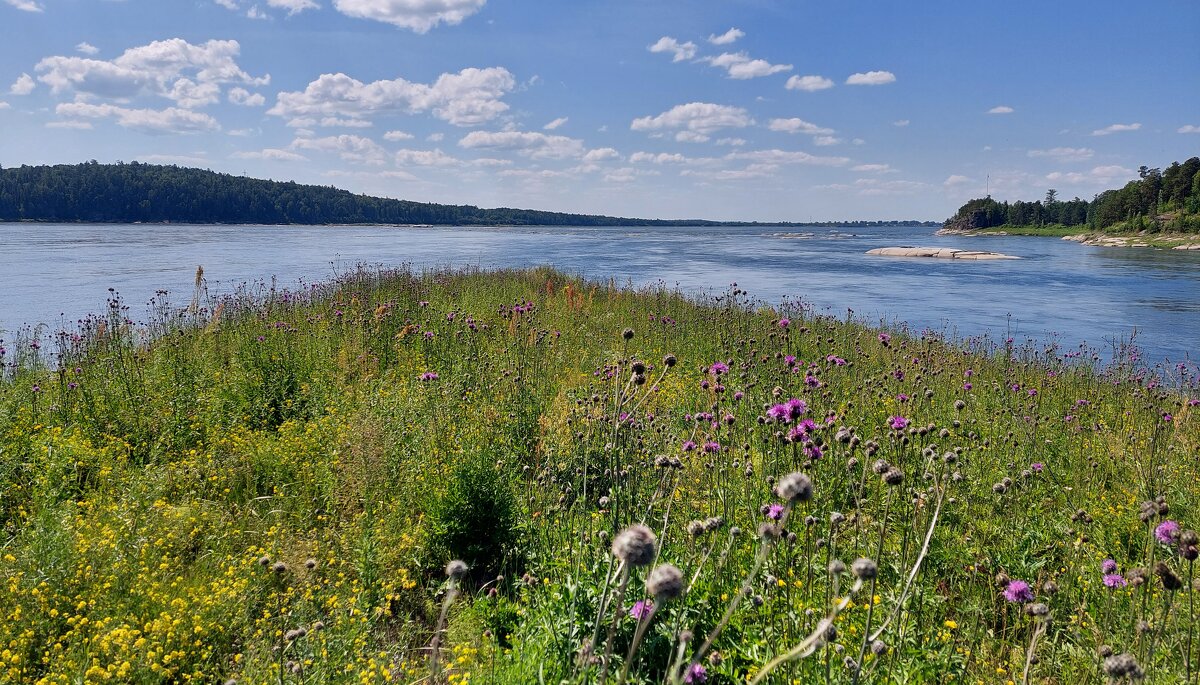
54,274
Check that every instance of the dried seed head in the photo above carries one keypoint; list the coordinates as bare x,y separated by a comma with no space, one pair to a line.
456,569
627,334
1037,610
1123,666
279,568
894,476
310,563
864,569
878,647
837,567
664,582
636,545
1169,578
794,487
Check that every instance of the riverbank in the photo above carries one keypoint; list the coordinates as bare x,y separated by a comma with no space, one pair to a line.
1165,241
269,488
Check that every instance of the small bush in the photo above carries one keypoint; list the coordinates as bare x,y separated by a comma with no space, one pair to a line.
475,518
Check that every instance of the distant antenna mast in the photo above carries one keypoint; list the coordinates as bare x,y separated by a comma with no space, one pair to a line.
989,185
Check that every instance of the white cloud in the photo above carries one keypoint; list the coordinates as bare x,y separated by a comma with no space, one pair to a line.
397,136
826,140
468,98
255,13
241,132
338,122
796,125
425,158
691,137
1001,109
4,105
900,122
1098,175
739,65
875,168
371,175
348,147
1064,154
555,124
87,48
726,38
956,180
660,158
680,51
293,6
601,154
1116,128
24,85
26,5
435,137
704,118
271,154
627,174
747,173
170,120
417,15
174,69
778,157
1189,128
871,78
810,83
241,96
228,4
527,143
732,142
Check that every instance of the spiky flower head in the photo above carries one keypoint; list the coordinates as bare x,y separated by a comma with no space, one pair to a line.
864,568
456,569
1123,666
665,582
636,545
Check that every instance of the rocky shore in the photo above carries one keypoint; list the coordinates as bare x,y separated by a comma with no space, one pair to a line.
938,253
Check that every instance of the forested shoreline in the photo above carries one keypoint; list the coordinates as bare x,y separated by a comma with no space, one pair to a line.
1158,201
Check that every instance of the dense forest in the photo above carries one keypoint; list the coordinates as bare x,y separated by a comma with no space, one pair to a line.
1157,201
133,192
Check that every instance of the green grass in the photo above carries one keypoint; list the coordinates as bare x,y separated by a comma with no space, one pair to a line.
267,488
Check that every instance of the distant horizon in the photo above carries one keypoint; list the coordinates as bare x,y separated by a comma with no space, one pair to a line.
767,111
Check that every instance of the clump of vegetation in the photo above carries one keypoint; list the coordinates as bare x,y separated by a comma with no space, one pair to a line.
518,477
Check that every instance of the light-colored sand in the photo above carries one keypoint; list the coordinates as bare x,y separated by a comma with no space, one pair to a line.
938,253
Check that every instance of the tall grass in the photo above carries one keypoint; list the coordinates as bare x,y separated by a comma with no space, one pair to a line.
267,487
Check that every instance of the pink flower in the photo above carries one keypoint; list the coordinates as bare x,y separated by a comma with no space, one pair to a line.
898,422
1018,591
641,609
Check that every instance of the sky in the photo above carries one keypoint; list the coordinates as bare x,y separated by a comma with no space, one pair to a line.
769,110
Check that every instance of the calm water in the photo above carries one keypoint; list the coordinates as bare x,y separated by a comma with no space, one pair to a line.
1063,291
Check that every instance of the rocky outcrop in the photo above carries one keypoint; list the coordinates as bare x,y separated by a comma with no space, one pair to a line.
938,253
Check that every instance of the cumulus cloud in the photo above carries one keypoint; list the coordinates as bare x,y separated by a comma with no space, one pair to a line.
703,118
397,136
1001,109
871,78
87,48
241,96
732,142
72,124
526,143
875,168
726,38
468,98
660,158
740,66
1189,128
228,4
428,158
349,147
24,85
418,15
796,125
826,140
1064,154
170,120
555,124
810,83
192,75
1116,128
4,105
293,6
691,137
1097,175
956,180
270,154
900,123
25,5
339,122
679,51
601,154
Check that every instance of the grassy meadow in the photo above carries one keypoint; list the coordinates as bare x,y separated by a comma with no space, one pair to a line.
641,487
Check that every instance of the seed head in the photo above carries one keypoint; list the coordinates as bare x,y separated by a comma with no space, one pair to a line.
279,568
878,647
636,545
669,360
794,487
310,564
1123,666
456,569
864,569
894,476
1169,578
665,582
627,334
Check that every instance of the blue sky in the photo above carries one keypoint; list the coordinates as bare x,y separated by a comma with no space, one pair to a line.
733,109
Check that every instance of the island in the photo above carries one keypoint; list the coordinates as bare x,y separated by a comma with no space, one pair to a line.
939,253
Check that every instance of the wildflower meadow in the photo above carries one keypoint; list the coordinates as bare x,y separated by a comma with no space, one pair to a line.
526,477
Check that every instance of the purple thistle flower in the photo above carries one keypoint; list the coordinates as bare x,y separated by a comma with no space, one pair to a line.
901,397
1037,466
775,511
719,368
784,323
898,422
967,386
429,376
711,447
796,408
1108,566
1114,581
778,412
885,339
641,609
689,445
1167,532
696,672
1018,591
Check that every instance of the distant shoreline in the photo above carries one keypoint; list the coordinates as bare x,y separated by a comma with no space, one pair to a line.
643,223
1144,239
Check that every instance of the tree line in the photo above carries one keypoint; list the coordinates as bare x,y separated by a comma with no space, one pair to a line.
134,192
1158,200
